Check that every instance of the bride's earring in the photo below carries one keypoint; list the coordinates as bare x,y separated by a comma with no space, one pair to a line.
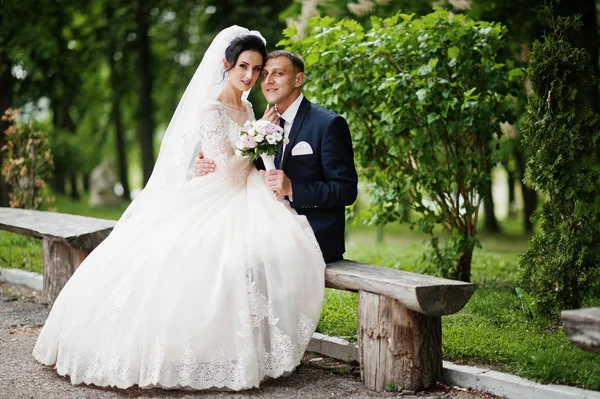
226,75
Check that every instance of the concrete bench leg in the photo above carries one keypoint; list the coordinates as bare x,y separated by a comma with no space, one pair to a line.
60,262
397,345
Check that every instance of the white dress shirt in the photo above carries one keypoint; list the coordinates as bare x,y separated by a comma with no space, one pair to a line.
289,115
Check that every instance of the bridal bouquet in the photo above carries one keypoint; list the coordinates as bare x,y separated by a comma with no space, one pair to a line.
260,139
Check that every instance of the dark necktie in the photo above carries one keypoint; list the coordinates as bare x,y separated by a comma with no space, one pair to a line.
278,154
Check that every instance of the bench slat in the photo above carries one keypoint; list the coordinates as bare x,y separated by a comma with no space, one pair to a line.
79,232
582,327
429,295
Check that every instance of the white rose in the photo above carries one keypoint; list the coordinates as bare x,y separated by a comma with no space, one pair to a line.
271,139
259,138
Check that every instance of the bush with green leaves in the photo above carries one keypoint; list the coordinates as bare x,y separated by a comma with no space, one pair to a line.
562,264
424,98
27,164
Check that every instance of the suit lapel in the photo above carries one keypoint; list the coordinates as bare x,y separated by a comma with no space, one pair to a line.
298,121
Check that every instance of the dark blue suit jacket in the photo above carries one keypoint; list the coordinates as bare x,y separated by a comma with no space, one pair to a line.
323,182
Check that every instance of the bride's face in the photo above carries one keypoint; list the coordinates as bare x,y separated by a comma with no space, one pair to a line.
246,70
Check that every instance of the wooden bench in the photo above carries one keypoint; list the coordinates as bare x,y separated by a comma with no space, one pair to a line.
582,327
399,321
68,239
399,313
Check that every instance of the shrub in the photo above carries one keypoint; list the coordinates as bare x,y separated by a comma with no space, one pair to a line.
27,164
562,264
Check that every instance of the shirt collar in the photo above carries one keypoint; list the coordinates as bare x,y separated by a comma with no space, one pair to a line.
292,110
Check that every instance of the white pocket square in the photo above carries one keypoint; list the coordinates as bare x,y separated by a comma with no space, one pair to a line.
302,148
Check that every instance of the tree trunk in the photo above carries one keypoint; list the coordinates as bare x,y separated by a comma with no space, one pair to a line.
74,189
530,203
121,154
586,38
511,192
463,265
490,223
58,182
379,238
63,121
86,182
6,99
116,107
529,195
145,123
590,32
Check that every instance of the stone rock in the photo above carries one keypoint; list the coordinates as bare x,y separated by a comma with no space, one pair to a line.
102,183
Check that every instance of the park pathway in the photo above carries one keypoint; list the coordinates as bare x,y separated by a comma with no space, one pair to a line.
21,316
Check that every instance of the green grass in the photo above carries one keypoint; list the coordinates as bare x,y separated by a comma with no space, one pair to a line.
491,330
21,252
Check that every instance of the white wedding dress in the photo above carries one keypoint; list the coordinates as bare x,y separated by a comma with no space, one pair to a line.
217,285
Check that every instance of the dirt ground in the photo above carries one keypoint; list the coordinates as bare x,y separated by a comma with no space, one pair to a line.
22,315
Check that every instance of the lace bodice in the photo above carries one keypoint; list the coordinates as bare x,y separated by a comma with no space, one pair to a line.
219,131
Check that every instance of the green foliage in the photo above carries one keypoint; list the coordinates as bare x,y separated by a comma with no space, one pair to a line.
424,98
27,164
562,264
391,387
528,305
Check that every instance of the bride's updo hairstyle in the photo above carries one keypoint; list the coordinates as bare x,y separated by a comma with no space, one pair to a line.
244,43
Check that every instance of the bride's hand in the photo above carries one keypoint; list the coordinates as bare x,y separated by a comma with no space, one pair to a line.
203,166
271,115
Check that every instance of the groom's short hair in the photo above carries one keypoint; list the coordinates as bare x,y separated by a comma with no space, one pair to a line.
295,59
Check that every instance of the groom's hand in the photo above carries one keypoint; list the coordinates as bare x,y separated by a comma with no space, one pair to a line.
203,166
279,183
271,115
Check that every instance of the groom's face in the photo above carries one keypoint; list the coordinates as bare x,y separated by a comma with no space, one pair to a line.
281,82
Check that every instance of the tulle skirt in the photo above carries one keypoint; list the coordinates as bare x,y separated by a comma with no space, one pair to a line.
215,286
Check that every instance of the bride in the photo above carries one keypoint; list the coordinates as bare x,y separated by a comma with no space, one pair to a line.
205,283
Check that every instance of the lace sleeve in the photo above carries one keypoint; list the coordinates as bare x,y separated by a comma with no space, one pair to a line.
216,144
213,134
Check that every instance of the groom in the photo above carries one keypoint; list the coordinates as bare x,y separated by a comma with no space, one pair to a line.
316,168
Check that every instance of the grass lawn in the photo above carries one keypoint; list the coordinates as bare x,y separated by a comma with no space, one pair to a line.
492,329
